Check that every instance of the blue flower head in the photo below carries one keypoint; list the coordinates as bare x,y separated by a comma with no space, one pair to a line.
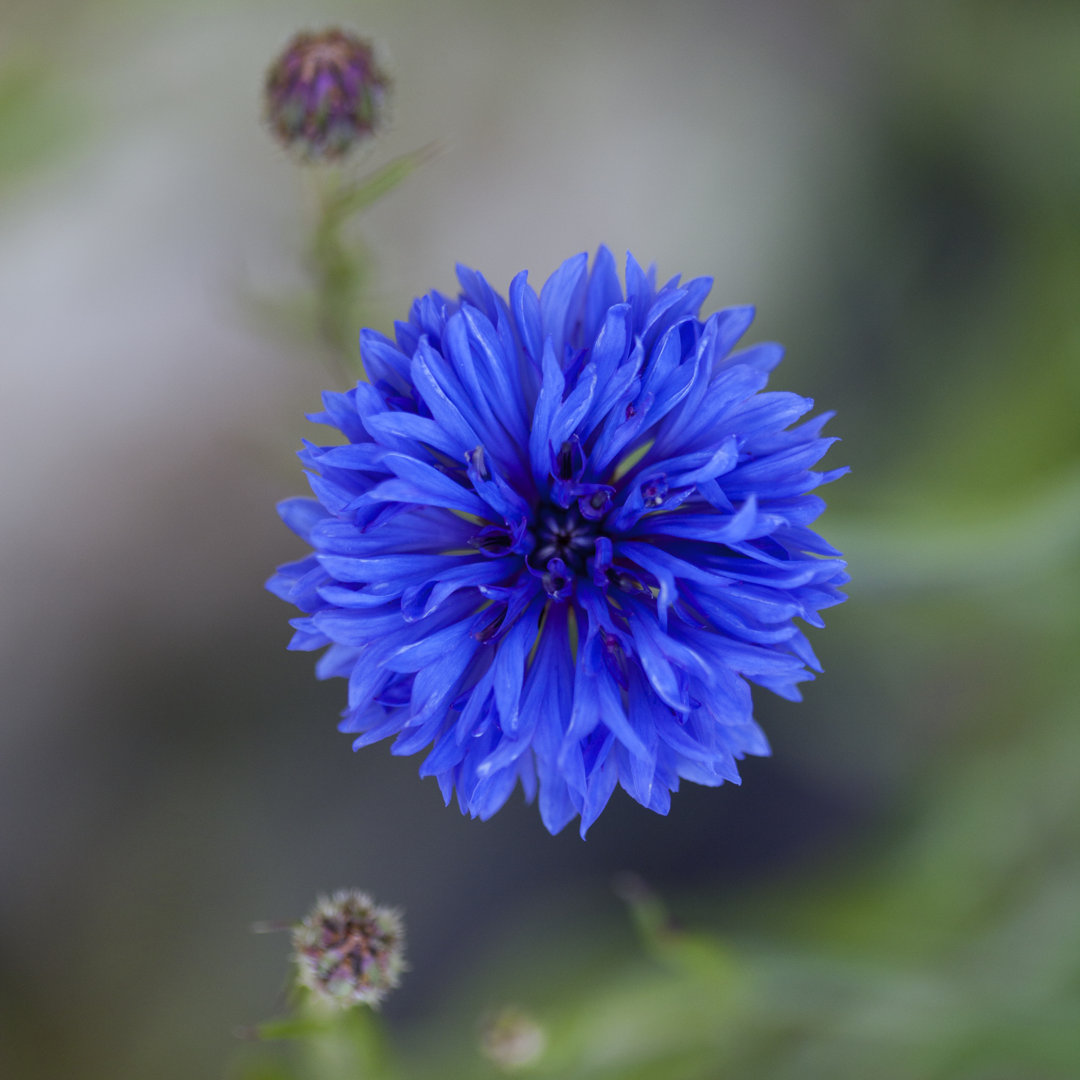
563,536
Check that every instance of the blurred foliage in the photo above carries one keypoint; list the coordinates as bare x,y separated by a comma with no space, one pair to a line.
959,956
37,119
339,263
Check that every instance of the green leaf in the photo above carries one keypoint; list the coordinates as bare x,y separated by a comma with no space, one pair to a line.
35,120
351,199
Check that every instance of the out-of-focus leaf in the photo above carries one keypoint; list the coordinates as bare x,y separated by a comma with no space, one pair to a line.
696,954
351,1046
328,1043
263,1069
36,121
304,1026
351,199
926,553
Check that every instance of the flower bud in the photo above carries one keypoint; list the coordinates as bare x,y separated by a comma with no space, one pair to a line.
348,950
511,1039
324,94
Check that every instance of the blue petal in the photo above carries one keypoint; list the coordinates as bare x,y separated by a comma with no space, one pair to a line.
386,567
640,288
560,300
762,357
526,312
408,430
382,359
432,647
422,483
444,410
573,410
491,793
473,399
419,601
663,658
478,291
547,405
364,456
510,672
611,350
597,700
602,782
419,529
497,368
731,324
604,293
301,515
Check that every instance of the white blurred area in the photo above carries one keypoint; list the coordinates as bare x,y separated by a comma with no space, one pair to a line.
150,410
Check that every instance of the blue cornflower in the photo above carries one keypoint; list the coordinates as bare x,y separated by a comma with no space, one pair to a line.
563,536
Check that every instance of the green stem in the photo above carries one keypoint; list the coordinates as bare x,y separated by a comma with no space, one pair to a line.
341,269
338,280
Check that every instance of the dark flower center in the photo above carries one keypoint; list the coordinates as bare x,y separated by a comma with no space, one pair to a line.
563,534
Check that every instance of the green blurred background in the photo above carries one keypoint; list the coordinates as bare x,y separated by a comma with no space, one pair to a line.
896,893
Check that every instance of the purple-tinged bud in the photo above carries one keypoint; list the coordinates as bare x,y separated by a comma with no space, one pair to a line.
324,94
348,950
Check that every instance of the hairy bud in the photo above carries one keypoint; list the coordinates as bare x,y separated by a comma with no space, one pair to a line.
348,950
